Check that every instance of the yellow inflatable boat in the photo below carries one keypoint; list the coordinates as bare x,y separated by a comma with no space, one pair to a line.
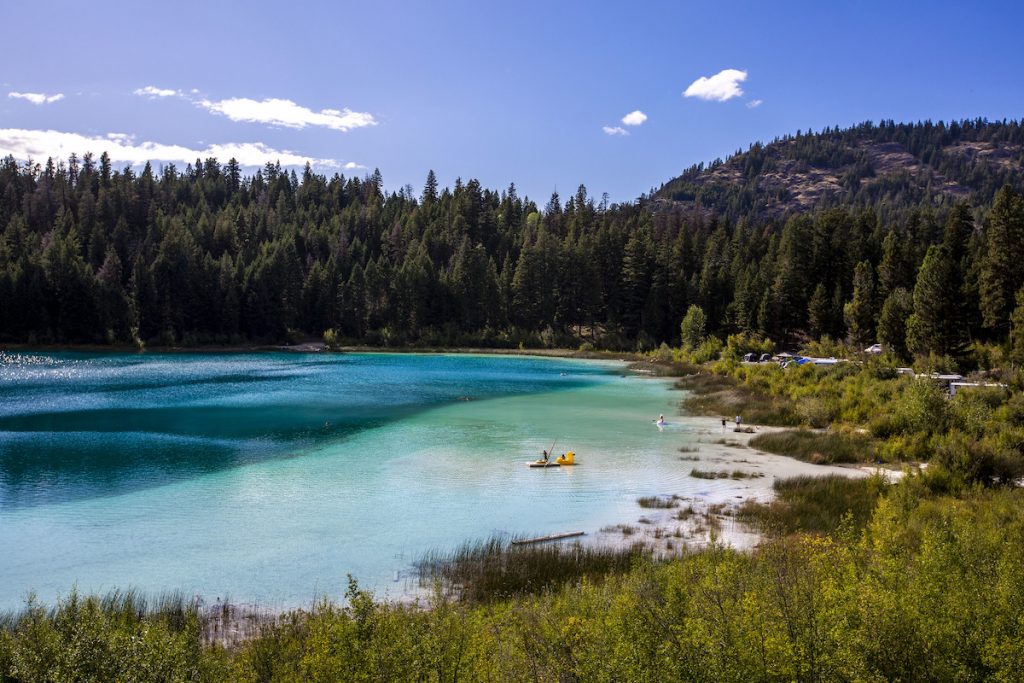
564,459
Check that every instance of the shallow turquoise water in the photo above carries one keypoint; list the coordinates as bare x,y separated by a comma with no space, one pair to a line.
269,477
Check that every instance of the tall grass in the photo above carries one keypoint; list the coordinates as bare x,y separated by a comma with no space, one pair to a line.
495,569
817,447
722,395
657,502
724,474
814,504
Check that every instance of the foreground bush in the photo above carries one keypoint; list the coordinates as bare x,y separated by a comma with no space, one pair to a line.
119,637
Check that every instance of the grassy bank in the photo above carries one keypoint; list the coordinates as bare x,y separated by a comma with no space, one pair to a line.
720,395
820,448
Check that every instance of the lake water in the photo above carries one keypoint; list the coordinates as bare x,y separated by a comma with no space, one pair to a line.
267,477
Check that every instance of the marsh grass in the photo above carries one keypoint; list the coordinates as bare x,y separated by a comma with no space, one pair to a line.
724,474
495,569
814,504
686,513
817,447
731,443
664,368
722,395
657,502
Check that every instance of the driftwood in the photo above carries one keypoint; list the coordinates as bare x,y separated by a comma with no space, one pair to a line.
552,537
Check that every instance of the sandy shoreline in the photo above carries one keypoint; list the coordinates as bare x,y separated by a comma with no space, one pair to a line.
695,521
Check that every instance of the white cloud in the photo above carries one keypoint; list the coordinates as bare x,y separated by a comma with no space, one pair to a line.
279,112
634,118
272,110
41,144
353,166
614,130
37,97
754,104
152,92
723,86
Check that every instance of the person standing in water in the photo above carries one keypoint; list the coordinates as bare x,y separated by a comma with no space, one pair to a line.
723,425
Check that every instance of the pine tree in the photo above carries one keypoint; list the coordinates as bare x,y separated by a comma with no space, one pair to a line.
859,313
1017,330
892,322
819,312
1002,271
934,326
429,195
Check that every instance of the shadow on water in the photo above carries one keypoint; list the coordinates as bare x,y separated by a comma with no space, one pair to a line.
111,452
75,427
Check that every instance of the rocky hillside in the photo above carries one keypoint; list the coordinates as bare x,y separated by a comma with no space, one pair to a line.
889,167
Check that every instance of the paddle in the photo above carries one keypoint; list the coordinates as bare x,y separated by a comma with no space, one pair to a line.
551,451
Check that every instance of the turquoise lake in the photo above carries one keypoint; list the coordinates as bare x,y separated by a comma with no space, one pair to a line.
268,477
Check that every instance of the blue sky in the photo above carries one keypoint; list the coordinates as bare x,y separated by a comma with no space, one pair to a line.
502,92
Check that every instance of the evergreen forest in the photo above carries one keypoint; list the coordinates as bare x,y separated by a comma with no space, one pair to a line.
209,255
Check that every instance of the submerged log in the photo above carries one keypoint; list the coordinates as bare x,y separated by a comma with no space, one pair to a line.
552,537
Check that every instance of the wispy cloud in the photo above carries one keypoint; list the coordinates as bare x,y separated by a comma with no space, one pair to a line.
272,111
723,86
634,118
153,92
754,104
41,144
279,112
36,97
614,130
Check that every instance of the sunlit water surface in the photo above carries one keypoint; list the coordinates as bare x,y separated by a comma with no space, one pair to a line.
269,477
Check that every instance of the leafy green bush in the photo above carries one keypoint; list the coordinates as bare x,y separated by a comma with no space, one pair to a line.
740,344
120,636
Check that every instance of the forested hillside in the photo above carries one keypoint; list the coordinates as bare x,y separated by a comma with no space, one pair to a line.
888,168
205,255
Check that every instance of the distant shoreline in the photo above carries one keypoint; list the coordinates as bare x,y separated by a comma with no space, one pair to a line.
320,347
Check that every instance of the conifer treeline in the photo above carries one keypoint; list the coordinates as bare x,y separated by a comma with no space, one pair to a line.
91,254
